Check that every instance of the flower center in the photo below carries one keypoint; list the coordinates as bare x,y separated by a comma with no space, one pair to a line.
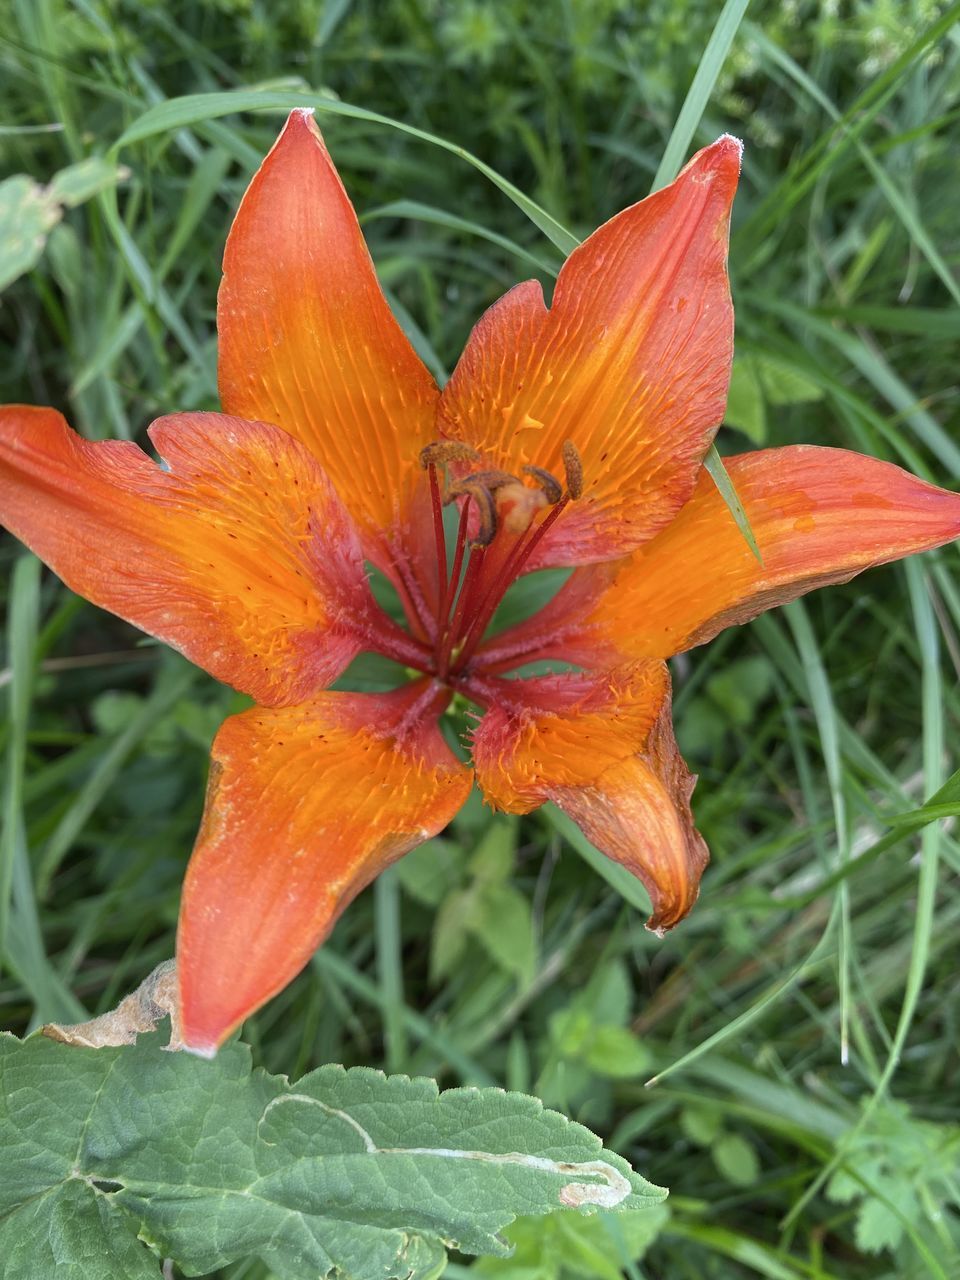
502,522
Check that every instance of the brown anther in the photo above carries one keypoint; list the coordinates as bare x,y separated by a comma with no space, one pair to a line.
486,511
443,451
573,468
548,483
492,480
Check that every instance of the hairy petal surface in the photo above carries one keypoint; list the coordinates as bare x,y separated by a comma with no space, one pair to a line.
305,806
631,362
601,747
307,340
238,553
820,516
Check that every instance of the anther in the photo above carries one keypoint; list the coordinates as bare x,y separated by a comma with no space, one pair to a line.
573,467
548,483
492,480
486,510
442,451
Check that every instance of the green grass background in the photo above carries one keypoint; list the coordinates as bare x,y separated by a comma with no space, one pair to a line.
803,1022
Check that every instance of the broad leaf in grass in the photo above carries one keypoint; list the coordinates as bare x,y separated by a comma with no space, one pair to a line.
208,1162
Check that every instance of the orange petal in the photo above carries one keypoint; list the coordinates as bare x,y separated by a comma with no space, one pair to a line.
820,516
601,747
631,363
239,554
307,340
305,806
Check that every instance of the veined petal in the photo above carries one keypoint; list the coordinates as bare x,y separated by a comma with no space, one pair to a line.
307,340
239,553
631,363
820,516
305,806
601,747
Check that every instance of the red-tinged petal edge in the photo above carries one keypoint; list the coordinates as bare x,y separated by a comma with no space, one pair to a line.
820,516
305,806
237,552
601,747
631,363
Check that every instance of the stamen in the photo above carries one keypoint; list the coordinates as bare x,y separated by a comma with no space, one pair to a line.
548,483
440,540
442,451
509,572
486,510
492,480
573,466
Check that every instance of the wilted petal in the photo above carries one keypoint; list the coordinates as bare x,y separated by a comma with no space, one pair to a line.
631,363
305,806
239,554
602,748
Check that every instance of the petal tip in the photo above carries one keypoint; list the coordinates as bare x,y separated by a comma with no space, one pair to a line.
730,146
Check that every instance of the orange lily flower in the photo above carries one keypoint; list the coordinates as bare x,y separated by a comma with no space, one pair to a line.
569,435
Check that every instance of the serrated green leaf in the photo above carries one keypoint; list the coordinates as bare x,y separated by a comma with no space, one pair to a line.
877,1228
843,1188
346,1170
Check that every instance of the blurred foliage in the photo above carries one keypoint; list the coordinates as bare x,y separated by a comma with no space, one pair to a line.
816,1135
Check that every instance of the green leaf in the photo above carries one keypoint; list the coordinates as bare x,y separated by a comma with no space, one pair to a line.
596,1248
617,1053
708,72
453,922
741,687
877,1228
718,472
504,928
27,214
195,108
701,1125
493,858
746,407
208,1162
784,383
432,871
85,179
736,1160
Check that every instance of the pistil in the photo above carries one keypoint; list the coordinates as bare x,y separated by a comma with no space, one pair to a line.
507,531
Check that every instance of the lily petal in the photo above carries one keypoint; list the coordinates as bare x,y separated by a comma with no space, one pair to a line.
307,340
239,553
820,516
305,806
601,747
631,363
